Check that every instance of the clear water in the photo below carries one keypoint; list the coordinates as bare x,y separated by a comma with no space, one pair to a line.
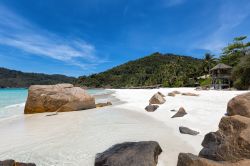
12,100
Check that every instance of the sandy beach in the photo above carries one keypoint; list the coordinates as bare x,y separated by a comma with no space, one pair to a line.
74,138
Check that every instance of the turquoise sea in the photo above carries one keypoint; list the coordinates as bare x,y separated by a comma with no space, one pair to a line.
12,100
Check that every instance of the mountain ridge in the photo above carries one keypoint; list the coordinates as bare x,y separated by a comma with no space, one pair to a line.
18,79
169,70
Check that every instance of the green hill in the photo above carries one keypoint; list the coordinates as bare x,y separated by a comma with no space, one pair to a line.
17,79
167,69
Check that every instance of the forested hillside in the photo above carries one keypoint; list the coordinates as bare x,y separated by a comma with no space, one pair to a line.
13,78
167,69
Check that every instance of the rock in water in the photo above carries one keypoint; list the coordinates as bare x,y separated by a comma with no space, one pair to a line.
239,105
181,112
185,130
157,99
231,142
151,108
60,98
143,153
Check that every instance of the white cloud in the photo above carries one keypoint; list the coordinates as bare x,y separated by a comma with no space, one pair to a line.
231,16
17,32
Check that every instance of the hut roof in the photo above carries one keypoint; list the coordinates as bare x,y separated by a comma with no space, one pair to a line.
221,66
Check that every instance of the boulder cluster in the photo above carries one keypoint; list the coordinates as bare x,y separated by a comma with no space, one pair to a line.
230,145
157,98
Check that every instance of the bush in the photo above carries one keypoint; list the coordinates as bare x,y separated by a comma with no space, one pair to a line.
206,82
241,74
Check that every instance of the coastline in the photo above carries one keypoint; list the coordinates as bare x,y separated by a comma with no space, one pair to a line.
73,138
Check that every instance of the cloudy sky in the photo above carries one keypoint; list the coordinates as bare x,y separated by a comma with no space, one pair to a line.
81,37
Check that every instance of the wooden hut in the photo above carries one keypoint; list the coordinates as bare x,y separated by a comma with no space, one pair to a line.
221,76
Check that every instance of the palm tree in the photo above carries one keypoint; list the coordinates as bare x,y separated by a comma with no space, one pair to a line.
208,62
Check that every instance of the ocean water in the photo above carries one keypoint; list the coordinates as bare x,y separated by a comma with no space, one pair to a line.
12,100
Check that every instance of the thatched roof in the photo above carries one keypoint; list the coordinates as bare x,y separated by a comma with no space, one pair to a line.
221,66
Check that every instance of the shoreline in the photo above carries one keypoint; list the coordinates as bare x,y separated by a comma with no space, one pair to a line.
73,138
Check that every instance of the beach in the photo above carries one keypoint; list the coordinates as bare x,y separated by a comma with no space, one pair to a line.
74,138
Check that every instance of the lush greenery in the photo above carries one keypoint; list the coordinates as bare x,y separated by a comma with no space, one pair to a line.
237,55
12,78
166,69
232,54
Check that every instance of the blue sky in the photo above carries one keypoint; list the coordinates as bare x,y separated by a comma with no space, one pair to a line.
81,37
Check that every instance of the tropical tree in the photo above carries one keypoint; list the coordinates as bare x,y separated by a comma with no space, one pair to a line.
232,54
208,62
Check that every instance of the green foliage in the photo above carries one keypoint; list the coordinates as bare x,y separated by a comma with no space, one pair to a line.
12,78
232,54
169,70
241,73
208,62
205,82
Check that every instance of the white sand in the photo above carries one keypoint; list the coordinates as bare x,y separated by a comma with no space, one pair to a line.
74,138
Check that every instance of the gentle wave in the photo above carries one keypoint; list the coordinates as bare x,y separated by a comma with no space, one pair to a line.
15,105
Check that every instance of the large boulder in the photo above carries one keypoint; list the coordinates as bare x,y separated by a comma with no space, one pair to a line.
157,99
231,142
60,98
181,112
188,159
239,105
143,153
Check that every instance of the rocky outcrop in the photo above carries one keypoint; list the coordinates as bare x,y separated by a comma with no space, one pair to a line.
14,163
231,142
130,154
157,99
60,98
103,104
181,112
230,145
151,108
185,130
189,94
188,159
239,105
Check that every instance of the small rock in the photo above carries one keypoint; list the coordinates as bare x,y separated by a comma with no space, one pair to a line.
103,104
189,94
176,92
181,112
157,99
143,153
172,110
161,94
185,130
151,108
171,94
